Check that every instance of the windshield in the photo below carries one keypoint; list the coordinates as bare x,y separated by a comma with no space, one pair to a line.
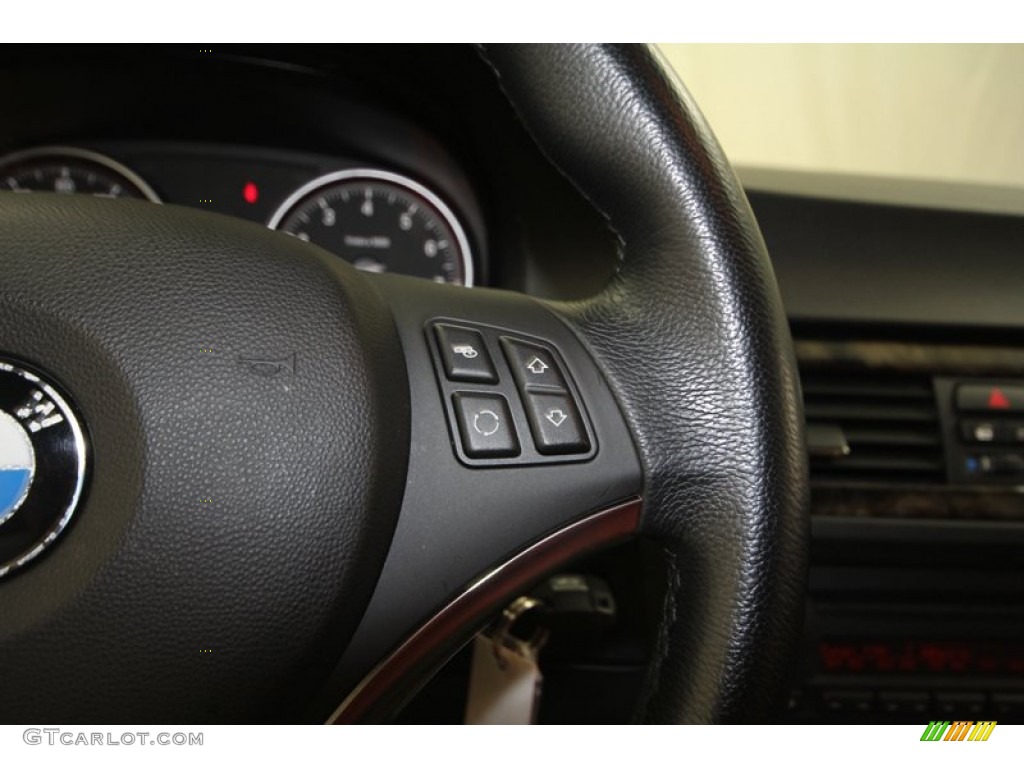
928,124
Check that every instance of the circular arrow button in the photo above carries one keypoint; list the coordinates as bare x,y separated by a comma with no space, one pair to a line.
486,422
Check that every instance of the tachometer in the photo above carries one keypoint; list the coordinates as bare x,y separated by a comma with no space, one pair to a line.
69,170
380,222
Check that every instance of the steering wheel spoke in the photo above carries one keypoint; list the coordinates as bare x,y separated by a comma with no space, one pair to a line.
515,439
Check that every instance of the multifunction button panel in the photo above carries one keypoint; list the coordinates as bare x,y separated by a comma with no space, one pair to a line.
510,398
987,420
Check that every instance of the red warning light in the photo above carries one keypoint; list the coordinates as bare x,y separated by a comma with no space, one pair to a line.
250,193
996,399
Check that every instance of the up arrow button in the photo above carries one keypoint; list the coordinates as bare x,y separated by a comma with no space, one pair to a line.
537,366
532,365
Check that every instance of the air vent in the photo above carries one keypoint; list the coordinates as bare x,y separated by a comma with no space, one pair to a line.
874,428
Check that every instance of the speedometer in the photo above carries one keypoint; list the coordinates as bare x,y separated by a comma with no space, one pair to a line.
69,170
379,222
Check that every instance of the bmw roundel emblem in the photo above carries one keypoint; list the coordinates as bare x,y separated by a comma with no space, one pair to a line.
42,464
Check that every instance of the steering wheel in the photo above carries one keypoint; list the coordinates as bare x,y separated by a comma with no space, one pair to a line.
303,486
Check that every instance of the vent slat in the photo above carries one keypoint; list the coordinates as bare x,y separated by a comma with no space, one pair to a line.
843,389
866,411
889,435
889,422
891,463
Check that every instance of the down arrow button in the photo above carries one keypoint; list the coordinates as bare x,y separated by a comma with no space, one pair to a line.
555,423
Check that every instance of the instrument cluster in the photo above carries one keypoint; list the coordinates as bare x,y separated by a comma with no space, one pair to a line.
378,219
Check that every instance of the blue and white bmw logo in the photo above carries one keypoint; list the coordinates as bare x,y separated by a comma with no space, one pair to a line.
17,465
42,464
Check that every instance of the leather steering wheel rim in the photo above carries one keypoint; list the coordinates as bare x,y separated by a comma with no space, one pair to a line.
716,411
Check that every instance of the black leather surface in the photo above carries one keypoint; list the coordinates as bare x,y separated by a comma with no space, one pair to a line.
237,517
692,335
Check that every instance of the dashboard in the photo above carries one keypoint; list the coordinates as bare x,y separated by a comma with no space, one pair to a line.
908,323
